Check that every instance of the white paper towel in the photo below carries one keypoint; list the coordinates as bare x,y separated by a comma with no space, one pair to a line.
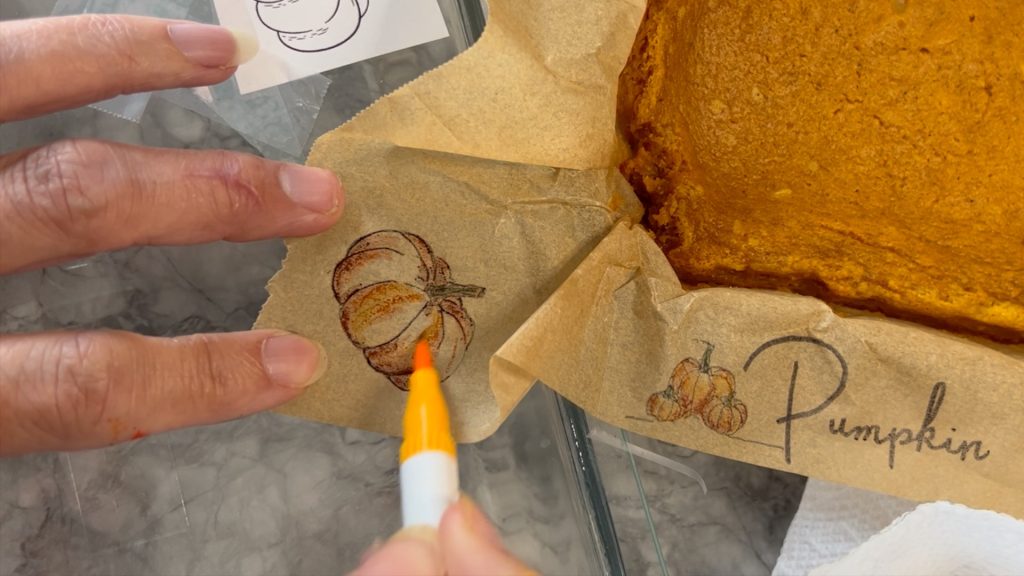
939,539
846,531
833,520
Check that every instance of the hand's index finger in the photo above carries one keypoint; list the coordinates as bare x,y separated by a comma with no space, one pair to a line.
78,197
48,64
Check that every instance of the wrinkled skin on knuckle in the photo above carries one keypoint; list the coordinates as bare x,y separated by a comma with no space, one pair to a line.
212,378
82,374
235,181
61,385
204,377
125,43
17,46
108,34
62,187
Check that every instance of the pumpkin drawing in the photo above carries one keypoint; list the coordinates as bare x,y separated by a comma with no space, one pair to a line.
393,291
725,415
664,406
312,25
698,382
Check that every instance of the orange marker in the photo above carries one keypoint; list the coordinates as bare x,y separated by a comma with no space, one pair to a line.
429,470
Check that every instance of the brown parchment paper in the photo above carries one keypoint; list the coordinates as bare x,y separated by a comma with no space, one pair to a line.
505,162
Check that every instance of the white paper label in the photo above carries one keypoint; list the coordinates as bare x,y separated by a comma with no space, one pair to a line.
299,38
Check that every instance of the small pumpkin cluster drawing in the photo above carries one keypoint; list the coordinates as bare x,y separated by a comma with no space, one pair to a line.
698,388
393,290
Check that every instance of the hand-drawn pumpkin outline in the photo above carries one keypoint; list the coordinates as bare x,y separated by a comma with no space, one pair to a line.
312,25
725,415
664,406
697,382
392,291
699,388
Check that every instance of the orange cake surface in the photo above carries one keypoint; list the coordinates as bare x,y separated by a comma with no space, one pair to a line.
868,152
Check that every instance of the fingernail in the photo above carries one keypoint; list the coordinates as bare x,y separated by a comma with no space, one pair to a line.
292,361
212,46
246,47
315,189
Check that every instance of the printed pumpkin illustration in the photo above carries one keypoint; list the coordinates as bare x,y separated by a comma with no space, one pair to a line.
698,382
312,25
725,415
664,406
393,290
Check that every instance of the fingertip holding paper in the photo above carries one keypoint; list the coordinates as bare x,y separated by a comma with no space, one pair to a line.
300,38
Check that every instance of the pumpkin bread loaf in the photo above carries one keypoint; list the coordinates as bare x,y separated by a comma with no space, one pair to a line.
869,152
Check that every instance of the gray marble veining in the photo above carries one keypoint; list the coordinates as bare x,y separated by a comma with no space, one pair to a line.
264,495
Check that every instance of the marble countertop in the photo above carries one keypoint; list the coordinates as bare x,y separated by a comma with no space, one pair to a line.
666,524
274,495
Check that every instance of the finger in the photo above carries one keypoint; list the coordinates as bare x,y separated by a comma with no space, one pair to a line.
71,391
411,552
78,197
471,545
49,64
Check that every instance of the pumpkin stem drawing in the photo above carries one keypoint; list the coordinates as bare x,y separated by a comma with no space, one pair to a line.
455,291
697,382
705,360
393,290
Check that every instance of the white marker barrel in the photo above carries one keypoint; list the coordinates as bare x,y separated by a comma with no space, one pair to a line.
430,484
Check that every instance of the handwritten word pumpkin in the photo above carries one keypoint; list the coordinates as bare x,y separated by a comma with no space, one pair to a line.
664,406
393,291
725,415
698,382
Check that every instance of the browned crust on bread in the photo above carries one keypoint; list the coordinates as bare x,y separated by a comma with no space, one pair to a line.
869,154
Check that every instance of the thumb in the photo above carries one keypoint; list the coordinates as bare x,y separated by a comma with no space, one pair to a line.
411,552
472,546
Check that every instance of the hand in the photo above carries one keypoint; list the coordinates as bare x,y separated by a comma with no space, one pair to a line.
75,390
466,544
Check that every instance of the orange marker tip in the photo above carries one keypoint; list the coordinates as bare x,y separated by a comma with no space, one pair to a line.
422,359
